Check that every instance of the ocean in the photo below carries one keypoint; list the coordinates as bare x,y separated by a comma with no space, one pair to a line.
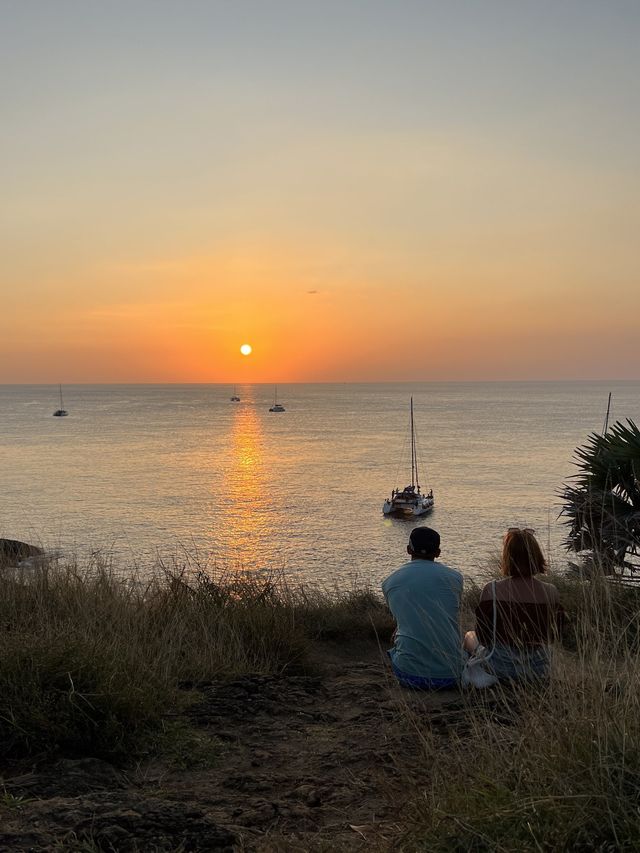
176,474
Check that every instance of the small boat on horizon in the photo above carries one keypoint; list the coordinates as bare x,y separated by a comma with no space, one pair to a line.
61,412
410,501
235,398
277,407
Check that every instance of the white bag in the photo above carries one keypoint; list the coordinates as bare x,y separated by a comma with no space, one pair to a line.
474,673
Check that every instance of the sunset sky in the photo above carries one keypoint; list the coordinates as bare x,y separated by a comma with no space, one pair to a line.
360,189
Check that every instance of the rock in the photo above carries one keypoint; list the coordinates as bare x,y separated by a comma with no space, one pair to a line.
260,813
308,794
12,551
126,822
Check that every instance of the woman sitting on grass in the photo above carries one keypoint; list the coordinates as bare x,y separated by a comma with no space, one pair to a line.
528,612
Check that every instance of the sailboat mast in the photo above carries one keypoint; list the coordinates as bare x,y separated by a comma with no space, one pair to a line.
60,389
413,449
606,420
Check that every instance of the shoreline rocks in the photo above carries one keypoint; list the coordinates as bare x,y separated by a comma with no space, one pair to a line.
13,551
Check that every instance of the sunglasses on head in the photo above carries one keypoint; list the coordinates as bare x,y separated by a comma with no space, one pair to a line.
521,530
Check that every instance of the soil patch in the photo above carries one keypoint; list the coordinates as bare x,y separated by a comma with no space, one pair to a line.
292,763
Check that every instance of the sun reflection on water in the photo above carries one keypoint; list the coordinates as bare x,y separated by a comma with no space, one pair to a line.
248,511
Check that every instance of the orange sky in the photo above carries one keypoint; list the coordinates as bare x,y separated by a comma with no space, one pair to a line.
185,321
182,185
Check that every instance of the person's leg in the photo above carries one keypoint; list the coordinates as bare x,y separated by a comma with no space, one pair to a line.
470,643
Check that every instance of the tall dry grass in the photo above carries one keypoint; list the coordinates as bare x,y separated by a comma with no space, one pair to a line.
89,661
549,767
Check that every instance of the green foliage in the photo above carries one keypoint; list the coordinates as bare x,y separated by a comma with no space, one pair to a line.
68,695
10,801
602,502
182,746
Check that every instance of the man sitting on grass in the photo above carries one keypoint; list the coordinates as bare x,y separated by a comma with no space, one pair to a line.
424,597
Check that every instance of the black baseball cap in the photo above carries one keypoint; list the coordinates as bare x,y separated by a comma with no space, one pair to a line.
424,540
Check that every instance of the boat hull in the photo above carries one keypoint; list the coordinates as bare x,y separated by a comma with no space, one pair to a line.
405,509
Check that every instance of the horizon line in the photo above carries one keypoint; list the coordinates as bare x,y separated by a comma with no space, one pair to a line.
332,382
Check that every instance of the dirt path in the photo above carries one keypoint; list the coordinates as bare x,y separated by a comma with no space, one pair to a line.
297,763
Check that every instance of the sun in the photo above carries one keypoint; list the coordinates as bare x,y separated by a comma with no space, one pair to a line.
246,349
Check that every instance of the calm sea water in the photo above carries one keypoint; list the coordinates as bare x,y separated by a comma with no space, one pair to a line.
141,472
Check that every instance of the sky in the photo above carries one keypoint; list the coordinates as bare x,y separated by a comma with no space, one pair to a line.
361,190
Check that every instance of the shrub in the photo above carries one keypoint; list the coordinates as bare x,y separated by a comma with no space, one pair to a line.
602,501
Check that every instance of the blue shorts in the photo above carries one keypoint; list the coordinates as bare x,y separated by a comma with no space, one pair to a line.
512,664
419,682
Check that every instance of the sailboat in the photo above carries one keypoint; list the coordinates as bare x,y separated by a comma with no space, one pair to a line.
277,407
61,412
410,501
235,398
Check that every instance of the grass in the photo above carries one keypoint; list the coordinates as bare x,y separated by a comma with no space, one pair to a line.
91,662
551,768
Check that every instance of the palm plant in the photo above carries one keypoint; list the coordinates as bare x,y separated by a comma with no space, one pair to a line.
602,501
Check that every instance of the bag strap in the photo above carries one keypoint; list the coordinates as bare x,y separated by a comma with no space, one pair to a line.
495,620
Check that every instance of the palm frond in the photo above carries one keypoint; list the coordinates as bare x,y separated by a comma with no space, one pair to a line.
601,502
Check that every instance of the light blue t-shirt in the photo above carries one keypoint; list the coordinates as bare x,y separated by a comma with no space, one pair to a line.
424,597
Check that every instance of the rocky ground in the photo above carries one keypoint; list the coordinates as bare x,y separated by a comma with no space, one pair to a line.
271,763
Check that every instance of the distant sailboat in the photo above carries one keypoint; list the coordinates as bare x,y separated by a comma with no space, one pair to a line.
277,407
61,412
235,398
